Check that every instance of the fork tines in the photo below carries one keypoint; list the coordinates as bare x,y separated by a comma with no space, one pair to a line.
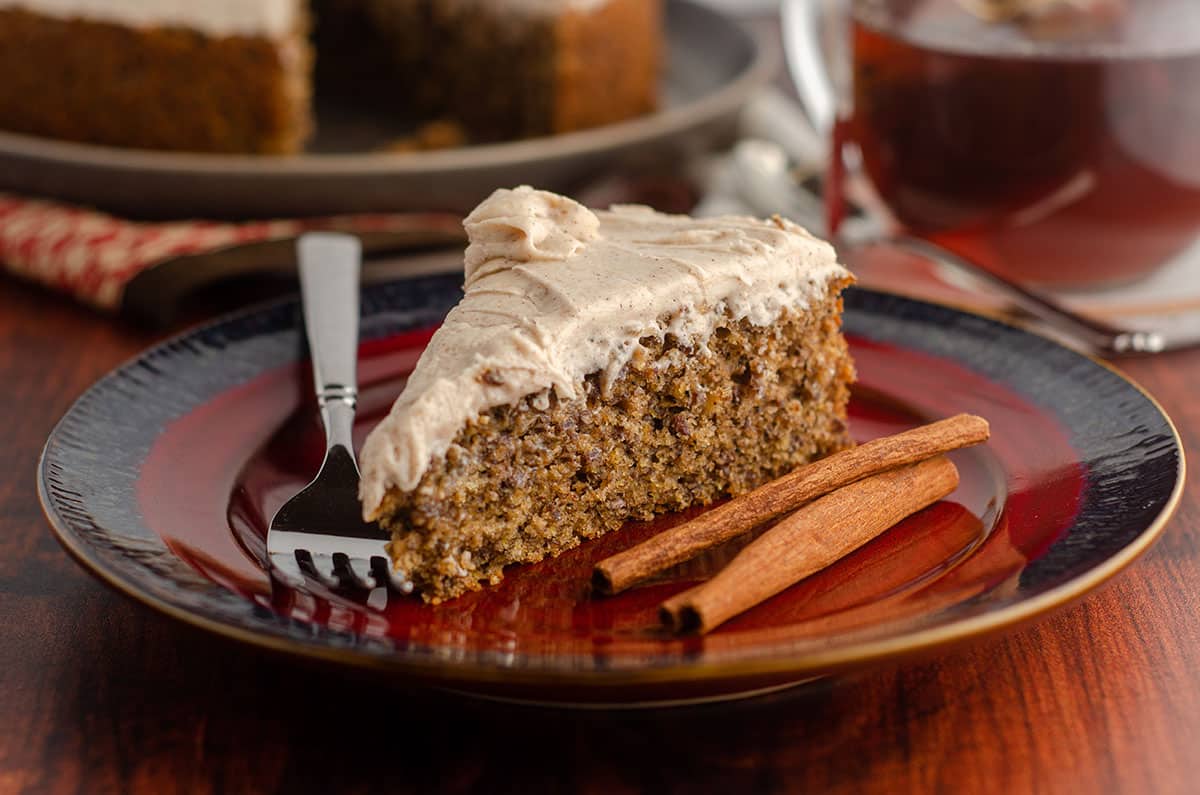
334,561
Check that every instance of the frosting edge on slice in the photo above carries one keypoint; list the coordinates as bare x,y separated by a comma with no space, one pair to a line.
555,291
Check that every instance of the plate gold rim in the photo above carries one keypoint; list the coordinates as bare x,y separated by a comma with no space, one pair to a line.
778,663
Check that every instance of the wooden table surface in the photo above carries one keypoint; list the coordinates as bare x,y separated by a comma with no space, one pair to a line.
99,694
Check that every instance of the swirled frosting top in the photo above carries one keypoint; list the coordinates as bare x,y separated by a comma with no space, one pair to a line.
248,17
555,291
217,17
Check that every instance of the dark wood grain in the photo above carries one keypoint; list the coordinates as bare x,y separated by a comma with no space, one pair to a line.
98,694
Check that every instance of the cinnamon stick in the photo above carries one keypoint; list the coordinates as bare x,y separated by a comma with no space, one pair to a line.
809,540
783,495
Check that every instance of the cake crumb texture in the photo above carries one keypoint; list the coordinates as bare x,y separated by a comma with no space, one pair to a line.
685,423
153,88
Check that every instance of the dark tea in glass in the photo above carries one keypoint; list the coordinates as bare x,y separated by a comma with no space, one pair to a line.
1059,147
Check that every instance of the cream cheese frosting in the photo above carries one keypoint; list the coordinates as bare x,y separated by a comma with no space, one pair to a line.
272,18
555,291
534,7
217,17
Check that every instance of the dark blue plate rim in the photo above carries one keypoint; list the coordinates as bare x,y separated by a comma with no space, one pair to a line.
91,509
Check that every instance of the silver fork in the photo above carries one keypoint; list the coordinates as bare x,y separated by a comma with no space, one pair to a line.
320,532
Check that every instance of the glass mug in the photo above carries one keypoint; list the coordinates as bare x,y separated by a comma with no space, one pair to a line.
1053,141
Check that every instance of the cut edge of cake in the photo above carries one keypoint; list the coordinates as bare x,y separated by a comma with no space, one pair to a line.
230,77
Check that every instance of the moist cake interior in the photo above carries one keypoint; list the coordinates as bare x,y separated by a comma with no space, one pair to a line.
604,366
678,428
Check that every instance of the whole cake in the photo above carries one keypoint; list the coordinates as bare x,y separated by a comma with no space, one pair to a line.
604,366
236,76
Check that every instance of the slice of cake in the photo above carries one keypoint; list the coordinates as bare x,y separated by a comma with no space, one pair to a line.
604,366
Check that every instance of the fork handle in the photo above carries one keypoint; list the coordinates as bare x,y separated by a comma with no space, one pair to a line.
329,282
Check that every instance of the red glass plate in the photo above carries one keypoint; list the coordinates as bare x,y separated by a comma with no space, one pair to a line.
162,479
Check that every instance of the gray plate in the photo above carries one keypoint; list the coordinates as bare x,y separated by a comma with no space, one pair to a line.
713,67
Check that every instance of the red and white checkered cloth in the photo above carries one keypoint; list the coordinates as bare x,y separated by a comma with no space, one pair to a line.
93,256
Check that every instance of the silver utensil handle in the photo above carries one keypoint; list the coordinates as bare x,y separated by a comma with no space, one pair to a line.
764,180
1097,334
329,283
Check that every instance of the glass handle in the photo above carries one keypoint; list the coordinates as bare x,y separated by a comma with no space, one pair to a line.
803,25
